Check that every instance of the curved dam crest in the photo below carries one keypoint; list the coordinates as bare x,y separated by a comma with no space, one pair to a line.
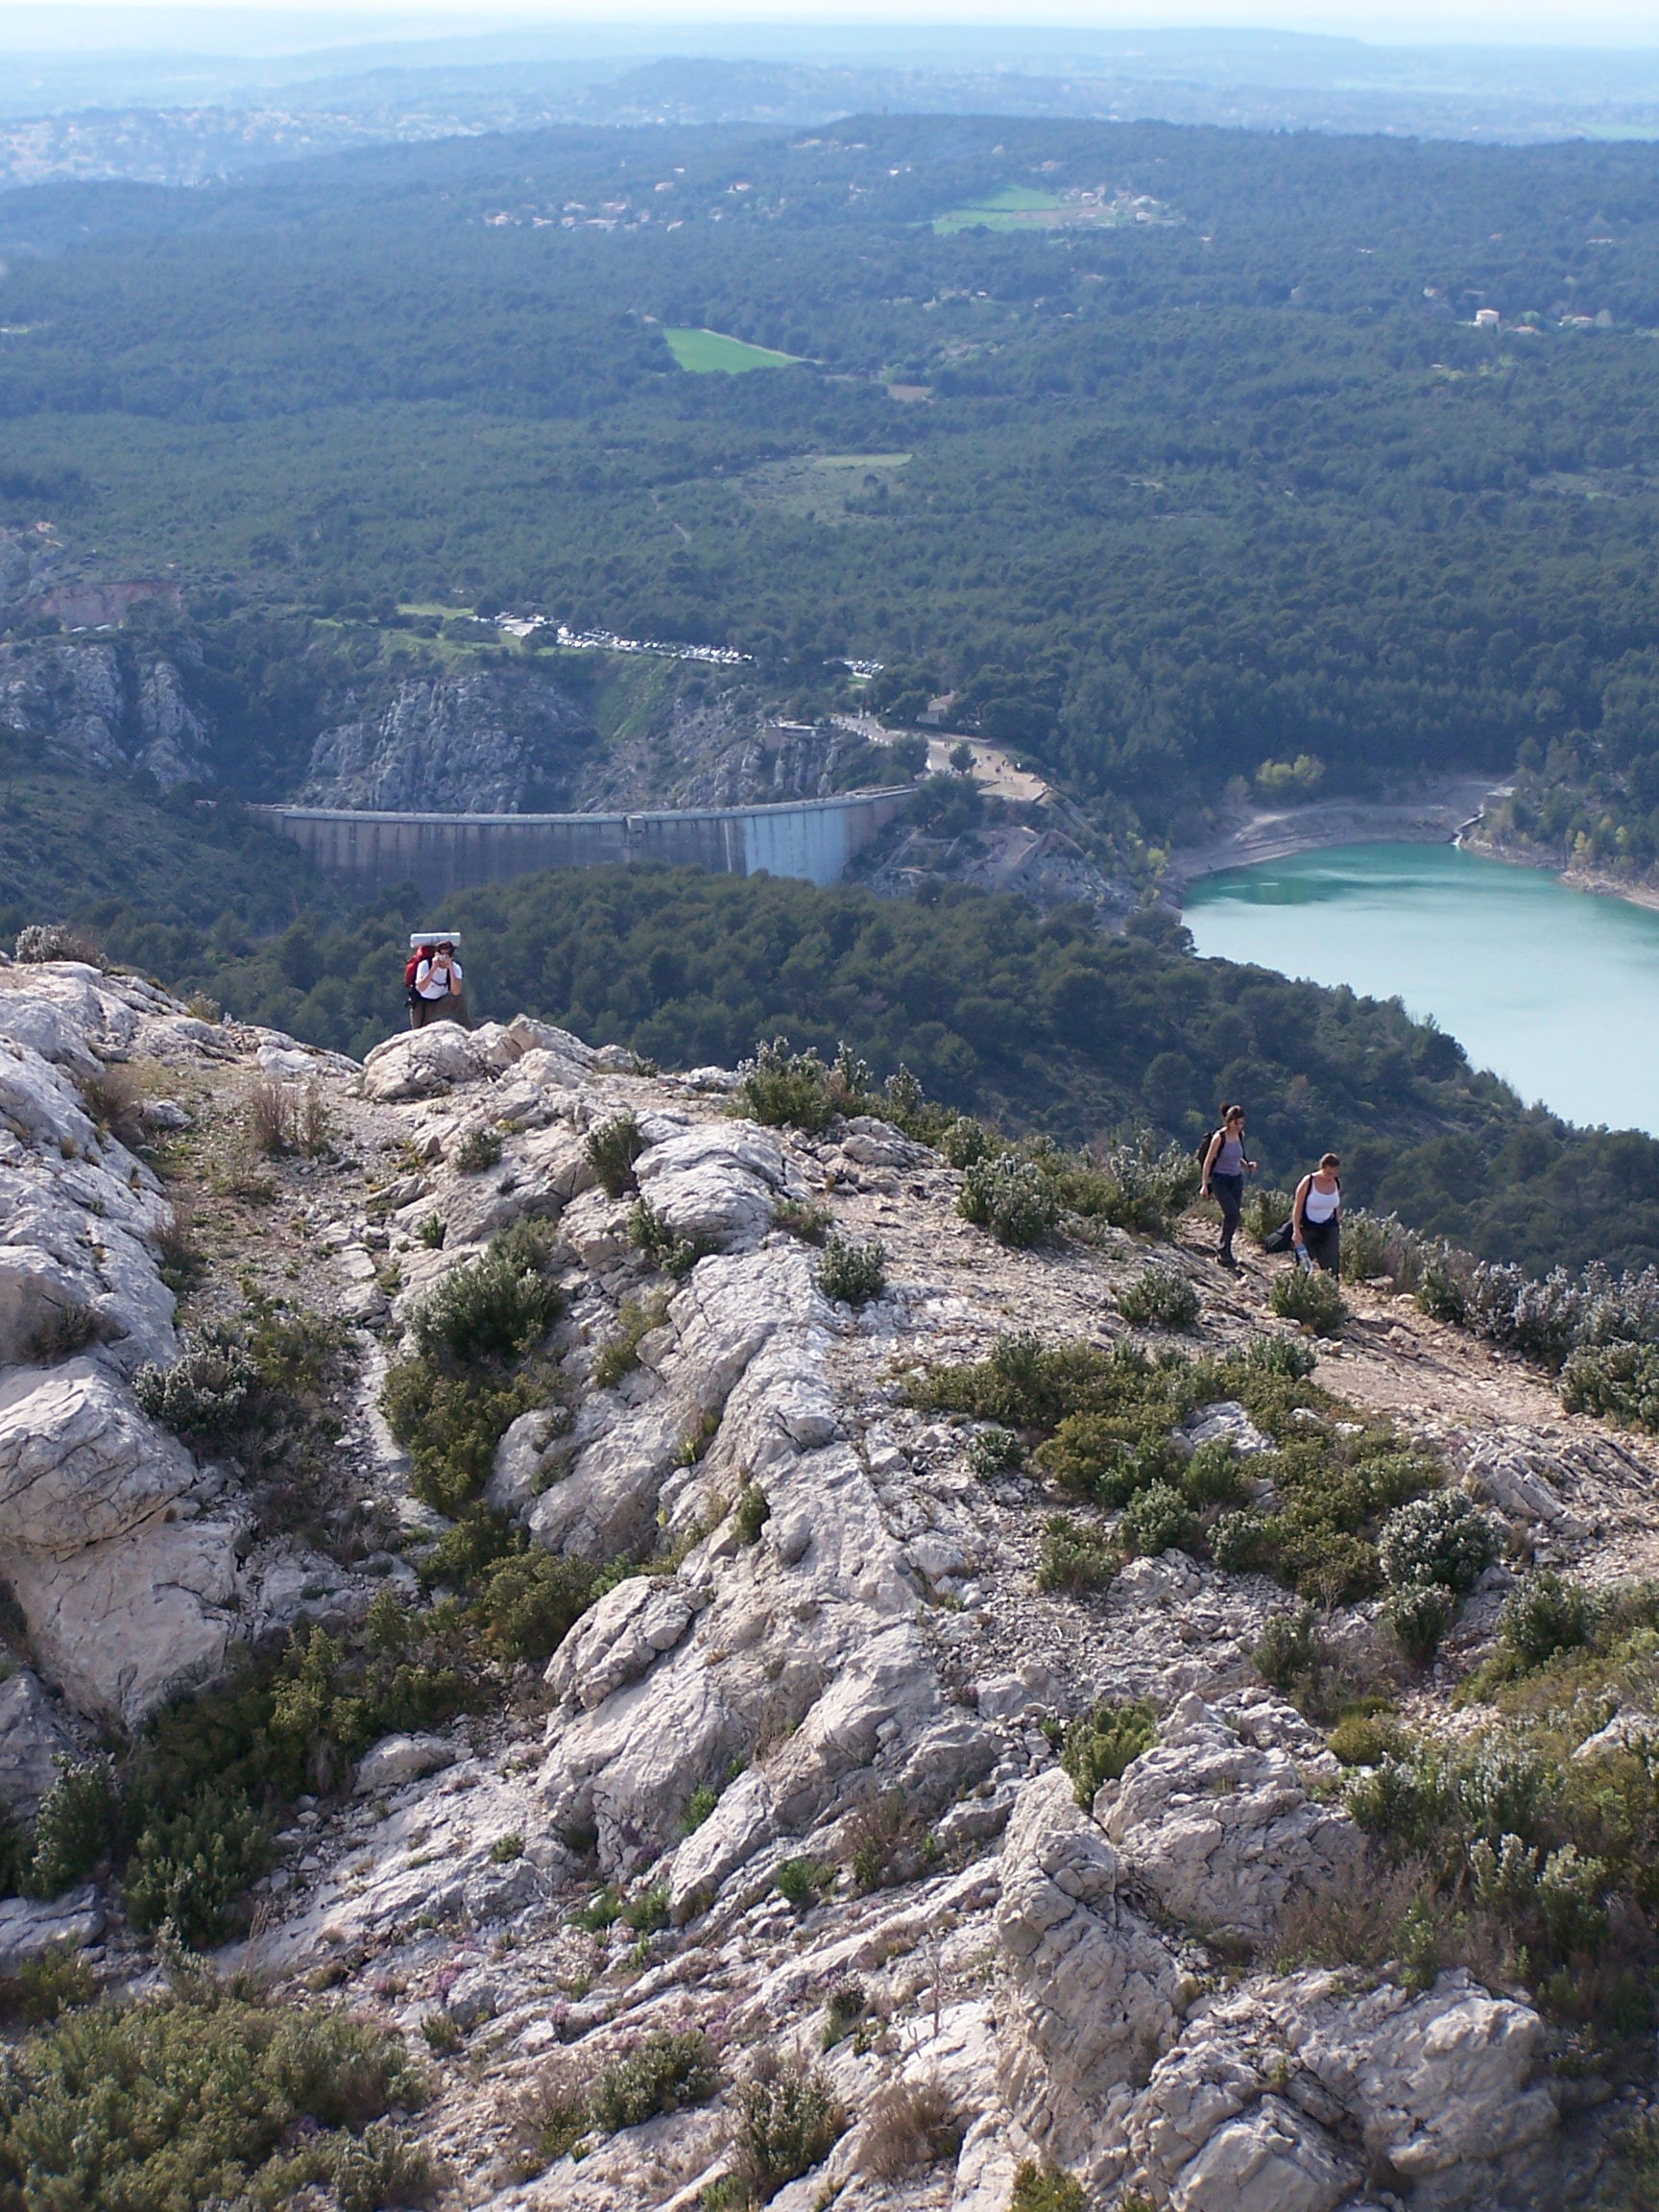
812,839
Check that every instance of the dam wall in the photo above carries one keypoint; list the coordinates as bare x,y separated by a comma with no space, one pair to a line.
810,839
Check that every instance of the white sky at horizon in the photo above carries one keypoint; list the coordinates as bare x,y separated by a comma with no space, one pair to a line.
88,25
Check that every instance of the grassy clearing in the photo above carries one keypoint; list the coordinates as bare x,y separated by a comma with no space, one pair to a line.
710,352
1010,210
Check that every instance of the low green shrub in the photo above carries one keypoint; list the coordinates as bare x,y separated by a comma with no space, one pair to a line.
1630,2181
851,1273
1285,1653
887,1842
477,1150
1158,1519
1046,2188
1245,1542
450,1425
1366,1739
1011,1197
77,1827
179,2103
751,1513
800,1882
1442,1292
496,1307
1109,1418
663,1247
1099,1744
611,1148
204,1393
964,1143
1089,1455
1312,1299
668,2072
1213,1476
1159,1298
789,1089
619,1353
55,1981
526,1603
994,1452
789,2120
698,1807
190,1867
1417,1615
1076,1558
803,1219
1546,1616
58,941
1264,1210
1150,1184
1442,1538
1619,1381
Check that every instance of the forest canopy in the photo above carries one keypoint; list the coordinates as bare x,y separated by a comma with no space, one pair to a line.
1218,475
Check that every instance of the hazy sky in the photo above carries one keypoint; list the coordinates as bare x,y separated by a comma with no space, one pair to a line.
1508,22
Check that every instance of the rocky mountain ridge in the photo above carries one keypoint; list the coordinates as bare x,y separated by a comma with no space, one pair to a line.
795,1794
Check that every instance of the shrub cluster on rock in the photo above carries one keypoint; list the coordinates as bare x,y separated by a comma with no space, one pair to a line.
204,2097
1311,1298
1159,1298
851,1273
1106,1423
1098,1745
611,1148
450,1405
1011,1197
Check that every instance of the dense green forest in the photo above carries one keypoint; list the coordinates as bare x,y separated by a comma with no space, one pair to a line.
1223,475
1044,1023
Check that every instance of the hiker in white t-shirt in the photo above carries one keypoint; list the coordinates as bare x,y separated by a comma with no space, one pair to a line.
436,993
1316,1218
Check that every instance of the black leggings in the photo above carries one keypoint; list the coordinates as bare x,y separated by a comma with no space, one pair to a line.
1324,1242
1228,1193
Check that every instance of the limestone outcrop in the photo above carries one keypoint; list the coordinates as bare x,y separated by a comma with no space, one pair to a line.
791,1779
477,742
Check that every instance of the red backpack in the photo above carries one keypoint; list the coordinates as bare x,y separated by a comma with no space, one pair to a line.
410,969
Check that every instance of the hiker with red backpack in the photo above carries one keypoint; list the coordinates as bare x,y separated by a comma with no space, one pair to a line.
1225,1168
432,981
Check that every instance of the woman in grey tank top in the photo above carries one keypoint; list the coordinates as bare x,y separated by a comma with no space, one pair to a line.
1225,1168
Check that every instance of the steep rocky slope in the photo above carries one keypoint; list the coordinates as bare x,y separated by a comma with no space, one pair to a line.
887,1838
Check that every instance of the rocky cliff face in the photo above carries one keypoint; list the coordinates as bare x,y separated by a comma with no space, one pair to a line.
105,706
475,742
797,1781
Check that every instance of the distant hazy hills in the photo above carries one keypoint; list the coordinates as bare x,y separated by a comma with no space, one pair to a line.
181,117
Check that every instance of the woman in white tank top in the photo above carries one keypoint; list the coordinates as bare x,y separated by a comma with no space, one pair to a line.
1317,1218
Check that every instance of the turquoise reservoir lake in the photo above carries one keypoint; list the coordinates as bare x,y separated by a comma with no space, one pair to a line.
1556,990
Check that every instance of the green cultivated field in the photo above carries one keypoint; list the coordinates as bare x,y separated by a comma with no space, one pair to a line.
706,351
1010,210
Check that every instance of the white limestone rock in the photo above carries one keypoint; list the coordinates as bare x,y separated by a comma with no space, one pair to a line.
717,1180
420,1064
32,1737
121,1625
399,1759
30,1928
1221,1830
1270,2159
43,1302
79,1463
41,1106
621,1638
1095,1993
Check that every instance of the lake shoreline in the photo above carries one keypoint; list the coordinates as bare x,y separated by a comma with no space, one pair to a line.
1434,815
1444,811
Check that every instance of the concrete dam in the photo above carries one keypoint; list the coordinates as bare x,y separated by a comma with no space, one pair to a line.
810,839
